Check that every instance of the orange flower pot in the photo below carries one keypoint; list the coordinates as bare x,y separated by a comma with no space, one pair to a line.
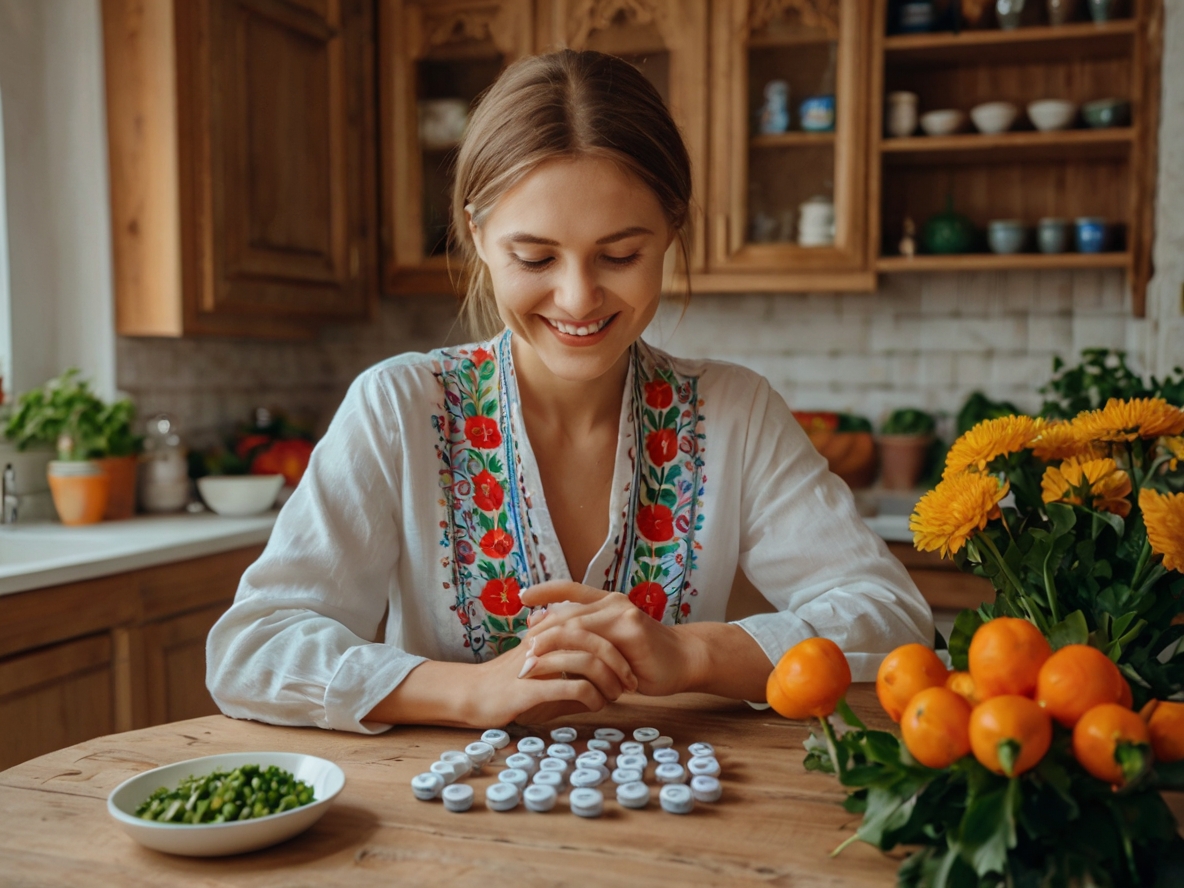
121,494
902,460
79,491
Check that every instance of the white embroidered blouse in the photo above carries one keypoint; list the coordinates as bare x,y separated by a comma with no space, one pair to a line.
423,501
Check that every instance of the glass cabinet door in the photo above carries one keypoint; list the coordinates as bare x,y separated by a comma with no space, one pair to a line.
789,138
436,58
664,39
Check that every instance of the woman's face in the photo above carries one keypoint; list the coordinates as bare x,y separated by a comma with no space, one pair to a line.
575,253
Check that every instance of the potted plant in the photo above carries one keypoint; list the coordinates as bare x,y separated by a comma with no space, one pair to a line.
904,440
93,440
846,442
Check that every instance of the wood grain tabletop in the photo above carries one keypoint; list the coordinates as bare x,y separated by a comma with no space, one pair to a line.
775,824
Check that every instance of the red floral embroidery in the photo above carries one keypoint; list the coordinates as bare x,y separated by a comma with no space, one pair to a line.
500,597
685,609
662,446
483,432
656,523
464,552
497,543
659,394
480,356
487,493
650,597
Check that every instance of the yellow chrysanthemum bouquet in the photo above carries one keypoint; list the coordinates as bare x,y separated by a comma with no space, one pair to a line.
1079,525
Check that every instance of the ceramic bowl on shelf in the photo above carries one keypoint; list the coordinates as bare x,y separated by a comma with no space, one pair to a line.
218,839
1048,115
1091,234
237,495
1106,112
942,122
992,118
1053,235
1006,236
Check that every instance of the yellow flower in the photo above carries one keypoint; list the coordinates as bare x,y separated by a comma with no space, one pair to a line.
1128,420
1163,513
1098,483
1174,446
947,516
1059,440
989,439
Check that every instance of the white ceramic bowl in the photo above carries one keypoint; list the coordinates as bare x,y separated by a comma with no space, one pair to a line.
235,495
943,122
994,117
1052,114
218,839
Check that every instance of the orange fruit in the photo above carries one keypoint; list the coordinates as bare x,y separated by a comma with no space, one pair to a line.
809,680
905,672
936,727
1076,679
1097,735
1005,657
1125,697
1165,725
962,684
1009,726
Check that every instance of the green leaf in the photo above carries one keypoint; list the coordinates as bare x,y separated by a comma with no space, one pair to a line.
965,625
1134,759
489,408
847,714
1009,752
1062,516
1071,630
670,417
886,810
495,465
668,498
469,409
1103,520
987,831
487,371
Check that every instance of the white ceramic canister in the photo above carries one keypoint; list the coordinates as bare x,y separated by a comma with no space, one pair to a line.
901,117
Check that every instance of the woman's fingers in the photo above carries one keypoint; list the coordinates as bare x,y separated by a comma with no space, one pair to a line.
555,591
566,665
570,636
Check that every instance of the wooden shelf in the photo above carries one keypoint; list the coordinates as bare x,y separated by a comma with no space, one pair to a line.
1005,147
994,262
1044,43
793,140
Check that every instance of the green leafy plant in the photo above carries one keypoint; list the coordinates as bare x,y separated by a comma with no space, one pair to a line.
66,414
908,421
1103,374
978,407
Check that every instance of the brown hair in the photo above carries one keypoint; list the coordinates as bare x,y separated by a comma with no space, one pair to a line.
563,104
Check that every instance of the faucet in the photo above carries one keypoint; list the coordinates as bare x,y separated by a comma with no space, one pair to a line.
8,498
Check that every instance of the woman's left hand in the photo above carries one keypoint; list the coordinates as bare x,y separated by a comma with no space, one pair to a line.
664,660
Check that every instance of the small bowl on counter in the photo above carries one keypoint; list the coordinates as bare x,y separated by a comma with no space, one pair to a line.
239,495
943,122
1050,115
1104,113
992,118
1006,236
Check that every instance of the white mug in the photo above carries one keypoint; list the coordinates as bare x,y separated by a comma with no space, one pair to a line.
901,119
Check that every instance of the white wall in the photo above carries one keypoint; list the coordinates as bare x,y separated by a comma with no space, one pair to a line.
59,240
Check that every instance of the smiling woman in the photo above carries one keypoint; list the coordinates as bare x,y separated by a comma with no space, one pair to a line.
553,517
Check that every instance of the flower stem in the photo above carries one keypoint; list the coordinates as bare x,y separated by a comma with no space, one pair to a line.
1144,557
1003,566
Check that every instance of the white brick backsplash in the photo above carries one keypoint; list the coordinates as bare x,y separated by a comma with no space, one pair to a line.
1051,334
972,371
1090,331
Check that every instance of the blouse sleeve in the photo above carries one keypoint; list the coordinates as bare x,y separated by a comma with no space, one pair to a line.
804,546
296,646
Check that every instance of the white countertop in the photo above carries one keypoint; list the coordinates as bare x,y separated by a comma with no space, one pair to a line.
36,555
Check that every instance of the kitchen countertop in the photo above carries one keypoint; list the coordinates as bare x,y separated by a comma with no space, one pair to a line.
36,555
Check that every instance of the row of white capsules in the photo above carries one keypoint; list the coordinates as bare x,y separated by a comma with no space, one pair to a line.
537,773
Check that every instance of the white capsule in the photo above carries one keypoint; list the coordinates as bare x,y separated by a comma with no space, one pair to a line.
559,766
626,775
586,802
633,795
561,751
515,777
600,746
450,771
539,797
670,773
552,779
635,762
457,797
662,742
591,759
666,756
501,796
630,747
677,798
564,735
706,789
703,766
523,762
612,735
460,759
496,738
646,735
585,777
532,746
479,753
697,749
427,786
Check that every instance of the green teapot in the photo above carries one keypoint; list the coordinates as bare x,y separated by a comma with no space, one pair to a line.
948,232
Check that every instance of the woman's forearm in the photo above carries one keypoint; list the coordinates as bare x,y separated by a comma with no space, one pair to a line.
433,693
725,660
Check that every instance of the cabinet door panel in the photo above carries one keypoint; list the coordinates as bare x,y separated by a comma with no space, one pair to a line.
175,656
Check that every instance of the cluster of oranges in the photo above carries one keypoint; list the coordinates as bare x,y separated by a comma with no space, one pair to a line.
1002,710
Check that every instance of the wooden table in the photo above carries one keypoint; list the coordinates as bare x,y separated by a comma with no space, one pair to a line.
775,824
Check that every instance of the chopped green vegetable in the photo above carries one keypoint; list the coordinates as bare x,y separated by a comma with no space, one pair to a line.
246,793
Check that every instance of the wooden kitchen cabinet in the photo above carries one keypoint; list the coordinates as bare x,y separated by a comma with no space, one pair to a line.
243,153
110,654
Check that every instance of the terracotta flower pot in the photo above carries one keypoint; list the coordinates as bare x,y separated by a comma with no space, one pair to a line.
902,460
121,494
79,491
